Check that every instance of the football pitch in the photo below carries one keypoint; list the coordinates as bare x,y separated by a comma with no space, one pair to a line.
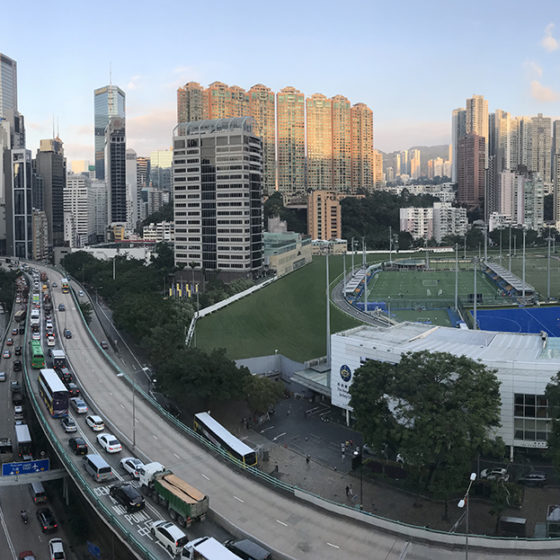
429,285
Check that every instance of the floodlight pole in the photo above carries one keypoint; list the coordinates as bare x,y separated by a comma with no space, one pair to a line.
485,242
548,269
344,274
352,256
523,287
500,246
456,275
390,247
510,247
328,311
475,261
465,247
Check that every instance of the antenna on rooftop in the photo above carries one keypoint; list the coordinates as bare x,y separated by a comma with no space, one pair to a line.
53,125
110,74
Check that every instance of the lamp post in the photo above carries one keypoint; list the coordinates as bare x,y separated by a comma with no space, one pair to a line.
462,502
357,463
475,263
328,309
548,269
456,275
523,287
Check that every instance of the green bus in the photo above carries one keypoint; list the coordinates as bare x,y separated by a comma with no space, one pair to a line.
37,356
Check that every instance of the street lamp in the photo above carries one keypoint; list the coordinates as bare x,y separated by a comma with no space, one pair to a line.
461,504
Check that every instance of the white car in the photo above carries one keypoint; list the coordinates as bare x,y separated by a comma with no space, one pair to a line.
109,442
81,293
50,341
495,474
56,550
49,326
36,336
95,423
169,536
131,465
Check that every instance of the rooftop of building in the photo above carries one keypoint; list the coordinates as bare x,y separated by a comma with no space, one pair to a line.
276,243
487,346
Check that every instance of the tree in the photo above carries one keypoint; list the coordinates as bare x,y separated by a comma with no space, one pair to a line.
435,409
86,309
262,393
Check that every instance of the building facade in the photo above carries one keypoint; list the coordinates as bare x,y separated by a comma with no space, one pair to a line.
471,170
362,152
115,170
79,225
109,102
217,174
319,142
324,215
417,221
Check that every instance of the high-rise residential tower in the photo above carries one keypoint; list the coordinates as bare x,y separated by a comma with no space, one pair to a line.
362,148
190,102
458,130
540,146
239,102
217,171
476,120
319,142
79,226
218,101
290,130
261,108
109,101
471,154
341,119
415,163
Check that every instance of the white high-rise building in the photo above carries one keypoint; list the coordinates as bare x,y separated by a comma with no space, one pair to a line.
131,190
419,222
448,220
79,226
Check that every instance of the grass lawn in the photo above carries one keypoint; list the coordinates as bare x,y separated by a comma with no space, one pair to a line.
536,272
288,316
431,316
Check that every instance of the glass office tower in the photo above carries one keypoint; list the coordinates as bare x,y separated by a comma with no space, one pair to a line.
109,101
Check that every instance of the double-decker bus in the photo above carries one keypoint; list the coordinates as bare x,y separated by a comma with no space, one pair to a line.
212,430
37,356
65,285
53,393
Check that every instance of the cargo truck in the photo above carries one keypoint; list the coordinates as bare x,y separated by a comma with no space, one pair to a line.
206,548
184,503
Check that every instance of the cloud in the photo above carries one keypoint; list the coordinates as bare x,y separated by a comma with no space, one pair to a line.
133,83
149,129
543,93
548,42
532,70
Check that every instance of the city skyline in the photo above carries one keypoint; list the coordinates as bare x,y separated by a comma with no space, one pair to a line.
412,71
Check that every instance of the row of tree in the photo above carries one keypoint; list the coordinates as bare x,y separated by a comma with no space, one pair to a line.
136,294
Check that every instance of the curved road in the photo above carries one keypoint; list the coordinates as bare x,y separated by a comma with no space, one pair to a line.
289,526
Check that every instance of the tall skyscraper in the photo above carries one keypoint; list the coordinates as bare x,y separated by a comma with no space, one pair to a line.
109,101
540,146
555,156
239,102
362,148
79,225
523,128
471,153
477,119
458,130
131,190
8,86
341,119
415,163
290,132
190,102
218,101
50,164
319,142
115,170
261,108
220,228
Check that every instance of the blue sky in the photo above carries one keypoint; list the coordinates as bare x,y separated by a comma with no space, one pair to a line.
411,62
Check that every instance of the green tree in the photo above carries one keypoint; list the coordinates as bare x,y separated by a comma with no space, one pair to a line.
435,409
86,309
262,393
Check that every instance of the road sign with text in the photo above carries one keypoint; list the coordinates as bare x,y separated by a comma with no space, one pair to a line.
26,467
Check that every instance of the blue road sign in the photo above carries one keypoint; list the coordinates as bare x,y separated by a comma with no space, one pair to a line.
94,550
27,467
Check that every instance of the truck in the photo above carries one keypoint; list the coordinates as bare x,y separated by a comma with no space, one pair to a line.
20,315
24,443
184,503
206,548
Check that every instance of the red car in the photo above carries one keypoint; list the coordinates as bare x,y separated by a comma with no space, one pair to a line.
26,555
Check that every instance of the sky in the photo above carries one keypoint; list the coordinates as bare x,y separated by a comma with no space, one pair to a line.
411,62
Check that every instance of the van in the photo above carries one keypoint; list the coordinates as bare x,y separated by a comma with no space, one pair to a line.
248,550
38,494
97,467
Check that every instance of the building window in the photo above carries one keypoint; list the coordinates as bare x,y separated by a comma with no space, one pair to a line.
531,420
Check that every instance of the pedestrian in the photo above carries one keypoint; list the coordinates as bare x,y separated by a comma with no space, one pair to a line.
350,491
307,458
347,490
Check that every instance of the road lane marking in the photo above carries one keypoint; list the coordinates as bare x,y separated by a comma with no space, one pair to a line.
176,455
281,523
203,475
279,436
154,436
122,405
7,533
269,428
239,499
333,545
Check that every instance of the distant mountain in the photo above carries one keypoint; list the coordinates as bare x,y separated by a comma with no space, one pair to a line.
426,153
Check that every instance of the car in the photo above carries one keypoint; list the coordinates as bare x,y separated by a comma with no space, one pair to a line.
15,331
81,293
131,465
68,425
95,423
56,550
10,342
494,474
49,325
67,333
61,307
22,330
54,285
36,335
73,389
26,555
168,535
534,478
15,387
64,374
104,345
78,445
109,442
79,405
6,354
17,351
2,376
51,341
18,412
17,365
46,520
128,496
247,549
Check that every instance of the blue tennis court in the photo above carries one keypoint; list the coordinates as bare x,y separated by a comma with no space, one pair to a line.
521,320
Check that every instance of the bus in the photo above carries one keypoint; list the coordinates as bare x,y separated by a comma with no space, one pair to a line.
20,315
24,445
65,286
212,430
54,393
37,356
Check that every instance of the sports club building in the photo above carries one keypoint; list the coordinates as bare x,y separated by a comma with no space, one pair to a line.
525,364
